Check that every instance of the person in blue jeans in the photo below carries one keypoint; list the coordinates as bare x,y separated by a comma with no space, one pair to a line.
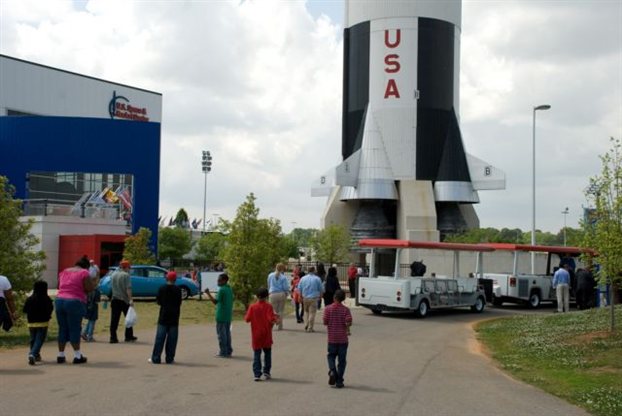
91,315
224,315
169,299
38,309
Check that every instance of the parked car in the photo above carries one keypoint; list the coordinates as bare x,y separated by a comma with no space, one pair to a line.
147,280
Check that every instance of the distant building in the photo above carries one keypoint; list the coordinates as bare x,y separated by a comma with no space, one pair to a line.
84,155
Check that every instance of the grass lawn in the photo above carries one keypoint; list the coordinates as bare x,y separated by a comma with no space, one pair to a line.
193,311
572,355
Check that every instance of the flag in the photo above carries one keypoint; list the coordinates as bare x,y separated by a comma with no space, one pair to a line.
125,198
194,223
95,199
198,223
171,222
111,197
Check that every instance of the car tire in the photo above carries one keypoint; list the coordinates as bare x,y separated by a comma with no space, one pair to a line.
422,309
534,300
497,301
376,311
479,306
185,292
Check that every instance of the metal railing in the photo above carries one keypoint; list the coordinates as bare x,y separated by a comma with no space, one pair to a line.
45,207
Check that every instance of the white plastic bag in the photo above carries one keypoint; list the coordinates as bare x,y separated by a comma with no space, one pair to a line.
130,317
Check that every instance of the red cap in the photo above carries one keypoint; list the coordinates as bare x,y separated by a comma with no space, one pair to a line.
171,276
125,264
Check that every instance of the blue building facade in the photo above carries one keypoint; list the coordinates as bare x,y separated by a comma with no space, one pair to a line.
89,145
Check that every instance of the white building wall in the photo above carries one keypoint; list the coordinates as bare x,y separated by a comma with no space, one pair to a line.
48,230
42,90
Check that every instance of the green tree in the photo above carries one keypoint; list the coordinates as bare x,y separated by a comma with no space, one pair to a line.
181,219
254,246
173,243
332,244
18,259
137,249
291,247
604,231
303,236
210,247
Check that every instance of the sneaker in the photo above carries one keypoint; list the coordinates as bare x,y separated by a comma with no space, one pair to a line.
80,360
339,385
114,341
31,360
257,378
83,336
220,356
267,376
331,378
38,357
60,360
131,339
150,361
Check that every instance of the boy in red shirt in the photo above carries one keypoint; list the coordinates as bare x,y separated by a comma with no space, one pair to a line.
261,317
337,319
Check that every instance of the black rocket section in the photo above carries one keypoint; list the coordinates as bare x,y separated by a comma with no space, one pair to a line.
453,165
355,86
440,153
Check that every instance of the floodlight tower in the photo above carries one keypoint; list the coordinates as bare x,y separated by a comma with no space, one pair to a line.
206,165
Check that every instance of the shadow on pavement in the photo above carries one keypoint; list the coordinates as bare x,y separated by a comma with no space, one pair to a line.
21,372
288,381
368,388
111,365
239,358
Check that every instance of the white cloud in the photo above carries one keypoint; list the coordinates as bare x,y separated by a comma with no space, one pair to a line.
258,83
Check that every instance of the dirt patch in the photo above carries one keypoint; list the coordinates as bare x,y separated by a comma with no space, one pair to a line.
605,370
591,336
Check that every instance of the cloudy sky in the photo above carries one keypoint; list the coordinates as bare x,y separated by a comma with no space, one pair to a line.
258,83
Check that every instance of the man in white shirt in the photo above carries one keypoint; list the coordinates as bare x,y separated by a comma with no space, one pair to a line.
7,303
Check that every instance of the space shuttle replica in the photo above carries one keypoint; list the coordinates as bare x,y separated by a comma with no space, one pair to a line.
405,173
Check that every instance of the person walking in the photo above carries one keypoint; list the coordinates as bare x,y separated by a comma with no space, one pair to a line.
262,318
224,315
338,319
311,291
73,285
38,309
585,288
352,275
278,287
561,284
121,301
169,299
321,273
331,286
296,294
91,315
7,304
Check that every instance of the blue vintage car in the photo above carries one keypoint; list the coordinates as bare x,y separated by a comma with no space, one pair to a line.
147,280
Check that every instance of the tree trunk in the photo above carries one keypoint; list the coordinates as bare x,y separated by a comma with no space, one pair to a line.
612,296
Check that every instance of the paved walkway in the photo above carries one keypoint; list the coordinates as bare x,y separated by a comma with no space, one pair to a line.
397,365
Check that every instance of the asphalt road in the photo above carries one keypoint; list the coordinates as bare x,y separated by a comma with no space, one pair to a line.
397,365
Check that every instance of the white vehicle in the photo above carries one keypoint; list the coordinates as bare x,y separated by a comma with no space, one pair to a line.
420,294
529,289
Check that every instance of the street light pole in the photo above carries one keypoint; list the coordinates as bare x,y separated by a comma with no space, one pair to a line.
533,185
206,166
565,212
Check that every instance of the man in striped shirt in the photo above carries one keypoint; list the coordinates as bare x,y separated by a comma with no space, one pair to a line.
337,319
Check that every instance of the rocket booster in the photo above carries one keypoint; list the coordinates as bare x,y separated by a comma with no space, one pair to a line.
401,104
